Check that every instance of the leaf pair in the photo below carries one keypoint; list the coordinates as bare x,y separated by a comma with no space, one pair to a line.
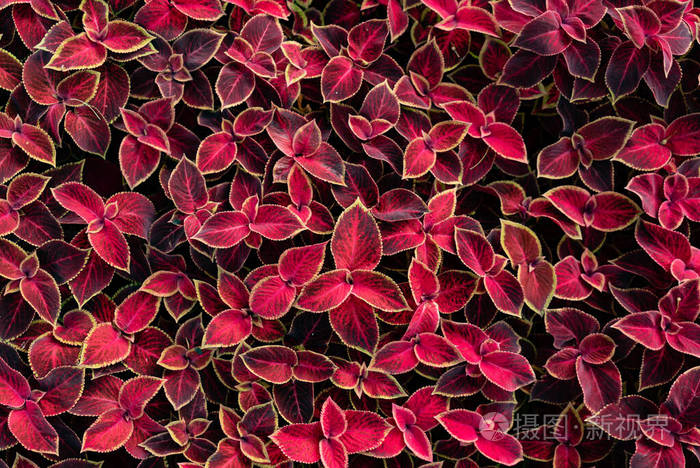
31,139
494,351
235,143
423,85
597,141
411,422
338,434
499,136
584,353
478,255
38,288
342,76
122,213
302,144
604,211
120,410
356,247
160,17
88,49
485,432
651,146
671,200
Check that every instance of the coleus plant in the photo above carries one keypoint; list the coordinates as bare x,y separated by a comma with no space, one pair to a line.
354,234
88,49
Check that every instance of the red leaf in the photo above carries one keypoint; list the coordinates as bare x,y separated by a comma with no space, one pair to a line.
538,284
36,143
366,40
663,245
644,328
399,205
461,424
333,421
395,358
225,229
227,329
110,244
104,345
418,442
272,298
77,52
419,158
378,290
313,367
558,160
112,91
93,278
235,84
355,323
14,388
181,386
32,430
41,292
474,251
509,371
10,71
613,211
365,431
597,348
216,153
544,35
135,213
356,243
136,312
137,161
625,69
80,199
89,131
327,291
520,243
63,387
136,393
682,135
506,141
276,222
208,10
300,442
340,79
272,363
325,164
502,448
108,433
687,339
605,137
99,396
601,384
435,351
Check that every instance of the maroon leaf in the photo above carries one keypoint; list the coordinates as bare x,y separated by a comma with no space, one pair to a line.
272,363
340,79
32,430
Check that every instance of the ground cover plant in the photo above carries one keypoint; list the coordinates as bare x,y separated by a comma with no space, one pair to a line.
377,233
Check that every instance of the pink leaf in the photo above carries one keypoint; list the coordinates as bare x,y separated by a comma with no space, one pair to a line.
300,442
509,371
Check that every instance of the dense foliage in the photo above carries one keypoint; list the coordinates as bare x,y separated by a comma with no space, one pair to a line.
382,233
